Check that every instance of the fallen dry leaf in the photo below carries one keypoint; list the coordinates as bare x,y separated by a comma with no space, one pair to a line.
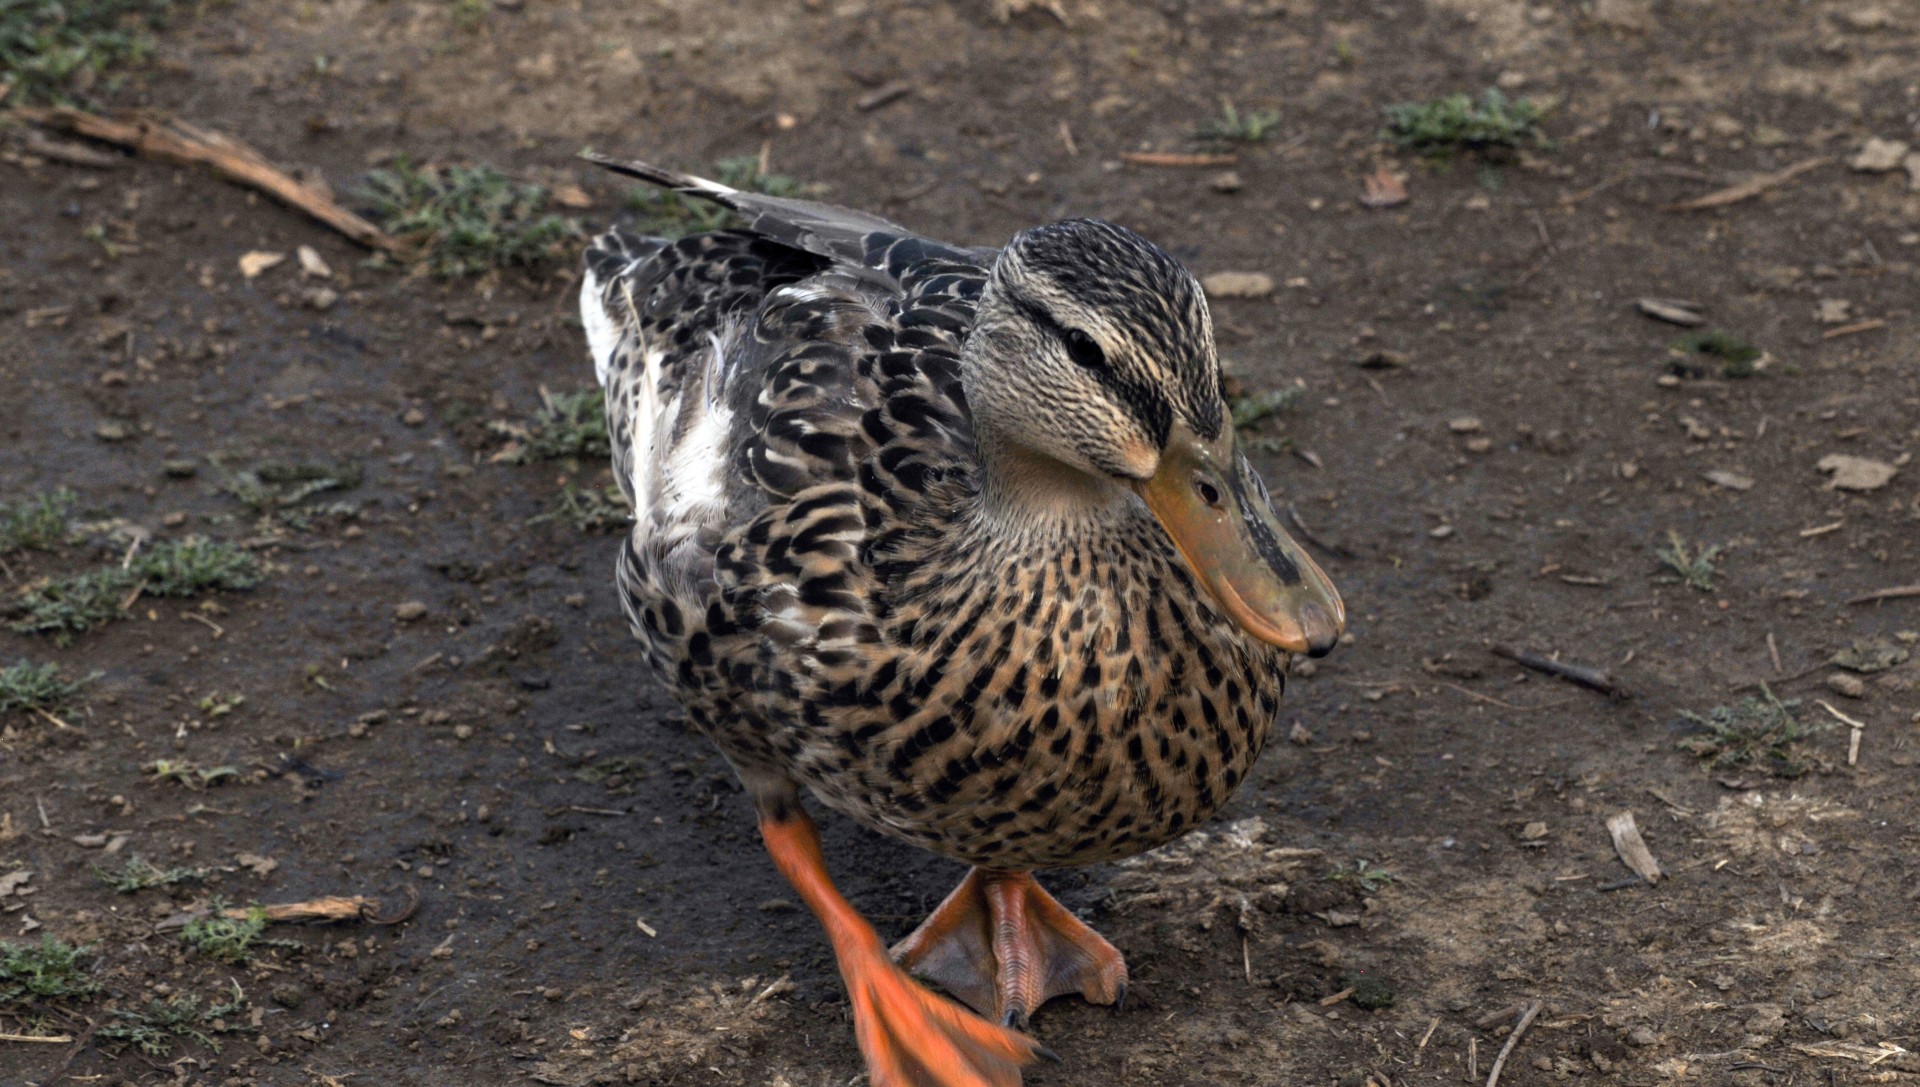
1851,473
259,260
1877,156
14,881
1671,310
1632,847
572,196
1386,188
1733,481
312,263
1834,311
258,865
1238,285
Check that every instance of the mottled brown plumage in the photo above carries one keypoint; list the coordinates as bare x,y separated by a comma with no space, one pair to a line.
890,544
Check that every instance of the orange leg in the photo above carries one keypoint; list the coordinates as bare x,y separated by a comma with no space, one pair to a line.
1004,946
909,1036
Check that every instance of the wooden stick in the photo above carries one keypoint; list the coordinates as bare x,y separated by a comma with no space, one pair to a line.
1898,592
1526,1020
1855,727
1176,158
1868,325
177,141
1749,188
1591,678
60,1039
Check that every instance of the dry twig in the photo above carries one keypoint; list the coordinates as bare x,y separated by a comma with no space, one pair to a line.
1749,188
1856,727
1499,1061
1176,158
178,141
1868,325
1898,592
328,909
1591,678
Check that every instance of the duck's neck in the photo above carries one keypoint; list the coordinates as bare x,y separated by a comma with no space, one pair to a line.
1024,493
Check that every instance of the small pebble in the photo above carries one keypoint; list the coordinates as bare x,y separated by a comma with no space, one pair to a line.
413,417
409,611
1847,686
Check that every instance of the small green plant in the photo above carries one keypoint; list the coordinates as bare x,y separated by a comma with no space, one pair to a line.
52,50
26,686
1759,733
216,704
66,606
138,874
1232,126
194,565
190,774
1369,877
70,605
1695,351
39,523
466,220
164,1023
469,14
588,509
567,425
1695,565
1253,408
1370,991
274,488
35,975
232,940
667,214
1444,126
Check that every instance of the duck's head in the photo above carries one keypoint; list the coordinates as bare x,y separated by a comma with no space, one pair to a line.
1094,350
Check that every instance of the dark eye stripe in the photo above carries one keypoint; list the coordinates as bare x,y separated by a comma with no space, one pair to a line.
1147,403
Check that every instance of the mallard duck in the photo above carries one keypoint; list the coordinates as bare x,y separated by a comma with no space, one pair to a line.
960,541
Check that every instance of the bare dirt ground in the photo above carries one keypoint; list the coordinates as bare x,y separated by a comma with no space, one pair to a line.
1486,452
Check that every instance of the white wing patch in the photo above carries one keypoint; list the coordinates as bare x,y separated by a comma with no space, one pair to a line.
603,334
690,467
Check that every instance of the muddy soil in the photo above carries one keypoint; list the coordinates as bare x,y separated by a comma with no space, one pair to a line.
1491,445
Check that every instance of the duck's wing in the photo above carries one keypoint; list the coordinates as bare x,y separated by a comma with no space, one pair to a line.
852,239
771,394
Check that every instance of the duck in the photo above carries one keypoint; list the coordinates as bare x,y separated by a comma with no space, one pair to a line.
959,541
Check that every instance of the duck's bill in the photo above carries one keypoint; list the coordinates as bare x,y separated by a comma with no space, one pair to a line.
1227,532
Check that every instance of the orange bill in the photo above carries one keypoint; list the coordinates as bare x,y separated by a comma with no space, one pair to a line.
1206,498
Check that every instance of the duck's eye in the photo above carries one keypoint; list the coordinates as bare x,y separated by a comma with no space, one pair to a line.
1082,349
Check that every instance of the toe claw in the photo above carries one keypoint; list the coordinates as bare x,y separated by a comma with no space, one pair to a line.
1120,999
1048,1054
